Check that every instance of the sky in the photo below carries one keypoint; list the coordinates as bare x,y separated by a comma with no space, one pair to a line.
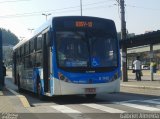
20,15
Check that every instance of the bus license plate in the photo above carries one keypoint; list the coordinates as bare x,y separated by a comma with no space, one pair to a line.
90,90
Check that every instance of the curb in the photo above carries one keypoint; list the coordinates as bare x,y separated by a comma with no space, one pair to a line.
22,98
147,74
142,87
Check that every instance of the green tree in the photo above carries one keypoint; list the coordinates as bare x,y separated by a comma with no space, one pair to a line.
8,38
8,41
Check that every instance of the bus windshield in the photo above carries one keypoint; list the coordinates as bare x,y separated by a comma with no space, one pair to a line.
90,49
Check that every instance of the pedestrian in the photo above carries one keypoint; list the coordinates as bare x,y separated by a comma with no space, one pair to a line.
4,74
137,68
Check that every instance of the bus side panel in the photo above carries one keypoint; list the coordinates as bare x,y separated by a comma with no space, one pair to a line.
20,70
57,87
27,76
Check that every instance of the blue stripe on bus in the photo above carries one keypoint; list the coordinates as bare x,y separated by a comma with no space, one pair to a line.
88,78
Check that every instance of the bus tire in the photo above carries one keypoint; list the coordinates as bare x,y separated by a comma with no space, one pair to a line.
90,96
39,90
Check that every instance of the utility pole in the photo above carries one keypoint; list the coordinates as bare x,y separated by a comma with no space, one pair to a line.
123,37
46,15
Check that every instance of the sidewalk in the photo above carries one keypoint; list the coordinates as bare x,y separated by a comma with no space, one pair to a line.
145,72
10,103
145,84
5,104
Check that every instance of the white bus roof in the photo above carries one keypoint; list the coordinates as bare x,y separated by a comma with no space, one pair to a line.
37,31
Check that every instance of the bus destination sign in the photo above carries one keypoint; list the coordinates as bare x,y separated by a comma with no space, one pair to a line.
84,24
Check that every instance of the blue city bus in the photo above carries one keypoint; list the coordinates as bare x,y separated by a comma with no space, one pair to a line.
69,55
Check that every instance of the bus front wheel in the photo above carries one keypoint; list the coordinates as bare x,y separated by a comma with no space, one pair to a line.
90,96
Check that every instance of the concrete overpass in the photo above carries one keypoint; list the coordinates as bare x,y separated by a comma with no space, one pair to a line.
140,40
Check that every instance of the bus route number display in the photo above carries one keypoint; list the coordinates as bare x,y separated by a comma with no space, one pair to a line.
84,23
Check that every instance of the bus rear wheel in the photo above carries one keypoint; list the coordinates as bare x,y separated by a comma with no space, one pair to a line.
90,96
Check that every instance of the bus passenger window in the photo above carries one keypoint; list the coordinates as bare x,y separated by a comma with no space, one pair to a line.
31,45
38,62
39,43
27,62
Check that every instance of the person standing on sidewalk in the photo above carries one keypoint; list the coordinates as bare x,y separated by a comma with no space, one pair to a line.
137,68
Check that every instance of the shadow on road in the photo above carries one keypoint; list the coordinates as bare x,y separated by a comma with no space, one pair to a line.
79,99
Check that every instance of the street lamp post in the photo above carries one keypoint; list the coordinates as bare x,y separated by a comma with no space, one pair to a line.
46,15
21,38
30,29
81,6
123,37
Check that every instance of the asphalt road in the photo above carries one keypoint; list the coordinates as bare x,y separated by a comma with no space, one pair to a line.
111,106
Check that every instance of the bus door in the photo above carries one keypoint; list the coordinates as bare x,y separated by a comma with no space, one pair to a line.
46,62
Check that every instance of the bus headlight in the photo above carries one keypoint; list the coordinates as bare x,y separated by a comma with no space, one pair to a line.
115,76
63,78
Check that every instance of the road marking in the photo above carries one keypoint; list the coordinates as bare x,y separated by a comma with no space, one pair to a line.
104,108
1,93
64,109
128,101
144,87
156,99
22,98
152,101
74,114
142,107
